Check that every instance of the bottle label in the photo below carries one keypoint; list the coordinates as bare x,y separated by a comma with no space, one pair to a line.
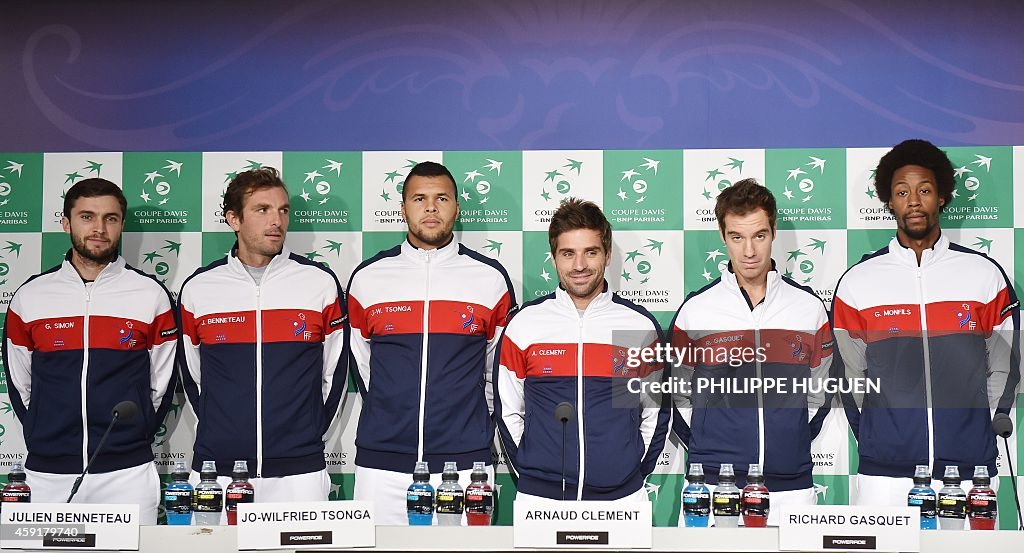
727,504
449,502
697,502
237,495
178,502
419,502
952,506
17,496
925,501
479,500
981,506
755,503
209,500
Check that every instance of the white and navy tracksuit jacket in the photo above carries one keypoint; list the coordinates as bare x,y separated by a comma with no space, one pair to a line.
264,365
551,354
424,327
73,350
942,339
773,428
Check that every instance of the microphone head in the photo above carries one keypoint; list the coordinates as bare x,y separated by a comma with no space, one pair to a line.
565,412
126,410
1002,425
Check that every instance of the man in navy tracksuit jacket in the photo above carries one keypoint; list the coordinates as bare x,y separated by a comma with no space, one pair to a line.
264,354
937,325
753,325
573,346
426,316
79,339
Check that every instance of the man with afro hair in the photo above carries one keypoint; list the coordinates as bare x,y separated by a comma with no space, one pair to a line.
936,325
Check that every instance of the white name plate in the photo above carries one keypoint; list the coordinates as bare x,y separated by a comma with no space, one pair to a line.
849,528
310,524
591,524
75,526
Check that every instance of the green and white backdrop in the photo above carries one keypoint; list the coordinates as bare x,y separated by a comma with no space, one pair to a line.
345,207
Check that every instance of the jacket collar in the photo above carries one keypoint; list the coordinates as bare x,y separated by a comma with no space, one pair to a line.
564,299
238,267
907,256
110,271
444,253
771,287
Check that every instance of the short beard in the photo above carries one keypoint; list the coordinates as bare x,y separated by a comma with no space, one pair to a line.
918,234
106,256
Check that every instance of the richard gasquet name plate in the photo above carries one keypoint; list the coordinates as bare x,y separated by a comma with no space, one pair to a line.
74,526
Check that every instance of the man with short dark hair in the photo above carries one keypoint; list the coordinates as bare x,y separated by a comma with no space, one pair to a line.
571,346
937,325
264,349
79,339
426,316
752,325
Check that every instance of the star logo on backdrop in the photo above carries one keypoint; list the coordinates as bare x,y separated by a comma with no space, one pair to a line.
800,265
161,268
970,177
716,267
804,185
393,181
480,182
493,246
983,243
558,179
331,246
320,183
719,177
638,186
160,182
637,264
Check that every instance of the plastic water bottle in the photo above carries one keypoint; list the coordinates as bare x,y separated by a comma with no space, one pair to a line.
952,501
208,497
479,497
178,497
240,490
450,501
419,498
981,501
696,498
755,499
16,490
726,501
923,496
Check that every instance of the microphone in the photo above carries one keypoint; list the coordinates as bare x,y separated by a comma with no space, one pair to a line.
1002,425
564,412
126,410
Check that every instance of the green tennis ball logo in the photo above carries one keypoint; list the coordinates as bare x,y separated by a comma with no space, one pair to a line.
162,268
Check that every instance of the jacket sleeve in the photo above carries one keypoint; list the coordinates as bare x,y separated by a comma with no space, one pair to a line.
358,337
495,328
851,343
655,409
188,349
335,352
1002,344
163,345
821,368
680,369
17,357
509,397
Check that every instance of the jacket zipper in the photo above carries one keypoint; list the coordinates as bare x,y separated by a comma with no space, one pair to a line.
579,410
85,377
927,367
259,380
423,353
